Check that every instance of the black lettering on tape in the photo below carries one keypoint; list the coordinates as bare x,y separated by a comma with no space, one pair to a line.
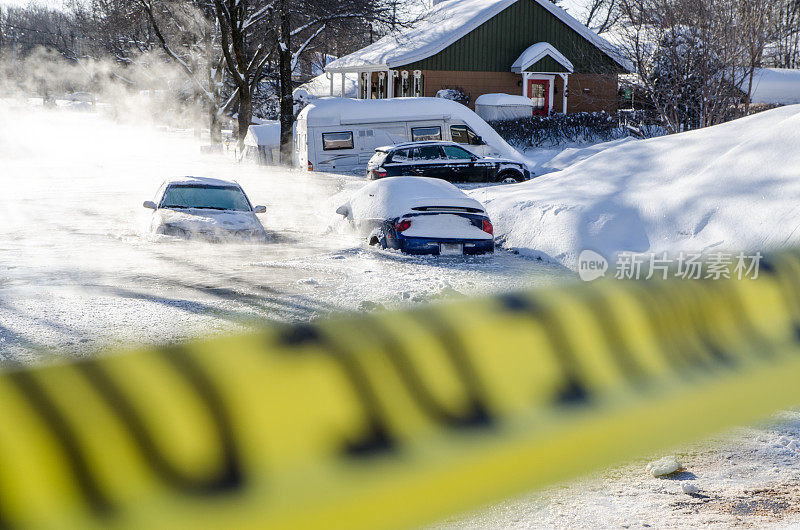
602,309
65,438
573,390
376,438
476,412
229,473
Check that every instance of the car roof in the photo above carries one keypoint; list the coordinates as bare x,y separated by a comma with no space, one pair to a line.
388,148
201,180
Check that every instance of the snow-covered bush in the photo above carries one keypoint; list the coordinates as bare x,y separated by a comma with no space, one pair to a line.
454,94
577,127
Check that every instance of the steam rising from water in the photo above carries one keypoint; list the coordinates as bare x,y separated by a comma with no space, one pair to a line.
77,271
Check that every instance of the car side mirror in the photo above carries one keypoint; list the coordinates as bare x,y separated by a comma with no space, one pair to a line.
149,204
343,210
479,140
259,209
473,158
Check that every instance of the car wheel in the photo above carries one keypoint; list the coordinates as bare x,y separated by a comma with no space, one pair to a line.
510,177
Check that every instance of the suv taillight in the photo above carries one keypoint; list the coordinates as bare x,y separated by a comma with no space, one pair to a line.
487,227
379,172
402,226
310,166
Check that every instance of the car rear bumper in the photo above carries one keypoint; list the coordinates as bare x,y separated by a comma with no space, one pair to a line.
425,245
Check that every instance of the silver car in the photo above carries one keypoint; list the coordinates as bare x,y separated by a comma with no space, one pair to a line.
205,208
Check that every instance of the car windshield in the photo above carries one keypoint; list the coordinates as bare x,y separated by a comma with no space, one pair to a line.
205,197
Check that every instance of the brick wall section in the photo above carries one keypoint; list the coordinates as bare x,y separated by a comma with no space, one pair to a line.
592,93
473,84
587,92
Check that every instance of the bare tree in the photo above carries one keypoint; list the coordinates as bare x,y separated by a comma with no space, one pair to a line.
601,15
188,35
694,58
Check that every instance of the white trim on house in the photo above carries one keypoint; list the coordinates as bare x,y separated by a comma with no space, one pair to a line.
443,25
536,53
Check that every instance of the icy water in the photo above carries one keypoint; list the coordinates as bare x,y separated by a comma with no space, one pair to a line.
78,271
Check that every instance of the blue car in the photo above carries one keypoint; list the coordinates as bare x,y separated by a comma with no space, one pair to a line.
419,215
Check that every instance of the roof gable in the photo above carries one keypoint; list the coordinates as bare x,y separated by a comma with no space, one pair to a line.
448,22
536,53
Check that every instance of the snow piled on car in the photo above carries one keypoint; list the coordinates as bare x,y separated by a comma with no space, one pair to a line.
396,196
734,186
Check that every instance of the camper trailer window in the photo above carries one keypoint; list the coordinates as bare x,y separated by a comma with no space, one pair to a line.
461,134
337,140
421,134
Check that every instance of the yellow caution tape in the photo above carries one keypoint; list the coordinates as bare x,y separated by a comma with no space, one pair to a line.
395,419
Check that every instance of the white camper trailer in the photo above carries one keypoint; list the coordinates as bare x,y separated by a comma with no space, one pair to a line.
341,134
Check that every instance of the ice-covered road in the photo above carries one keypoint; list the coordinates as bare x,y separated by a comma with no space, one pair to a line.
77,273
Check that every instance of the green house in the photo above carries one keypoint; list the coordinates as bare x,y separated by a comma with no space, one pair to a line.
529,48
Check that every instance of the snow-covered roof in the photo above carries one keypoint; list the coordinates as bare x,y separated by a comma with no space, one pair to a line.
443,25
503,100
268,133
775,86
536,53
320,86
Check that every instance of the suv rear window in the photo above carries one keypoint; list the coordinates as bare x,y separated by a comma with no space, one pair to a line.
421,134
337,140
402,155
429,152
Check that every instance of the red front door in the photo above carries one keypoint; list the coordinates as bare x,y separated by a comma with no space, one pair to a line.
539,92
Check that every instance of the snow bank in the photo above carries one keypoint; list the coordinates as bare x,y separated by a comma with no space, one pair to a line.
775,86
732,186
572,155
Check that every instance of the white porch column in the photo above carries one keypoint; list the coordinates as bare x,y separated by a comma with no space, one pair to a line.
343,75
525,84
389,84
359,87
330,76
564,93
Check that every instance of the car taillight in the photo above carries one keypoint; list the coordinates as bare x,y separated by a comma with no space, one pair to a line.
487,227
310,166
402,226
379,172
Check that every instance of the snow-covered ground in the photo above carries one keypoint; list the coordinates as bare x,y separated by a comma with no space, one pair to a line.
735,186
77,273
550,158
749,477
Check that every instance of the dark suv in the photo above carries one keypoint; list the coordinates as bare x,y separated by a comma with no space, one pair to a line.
444,160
